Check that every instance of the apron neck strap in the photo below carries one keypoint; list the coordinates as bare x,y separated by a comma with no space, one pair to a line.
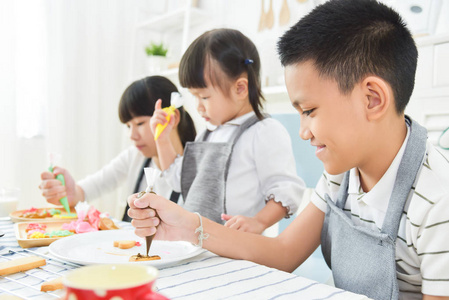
411,163
409,167
248,123
343,191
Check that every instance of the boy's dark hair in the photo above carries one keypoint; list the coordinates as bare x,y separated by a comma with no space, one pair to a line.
233,53
140,97
347,40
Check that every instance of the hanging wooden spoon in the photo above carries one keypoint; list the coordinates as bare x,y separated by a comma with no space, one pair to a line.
262,18
269,18
284,16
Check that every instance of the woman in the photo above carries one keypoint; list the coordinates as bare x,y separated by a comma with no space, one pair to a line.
135,110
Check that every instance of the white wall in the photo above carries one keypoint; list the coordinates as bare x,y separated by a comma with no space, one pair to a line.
93,53
87,47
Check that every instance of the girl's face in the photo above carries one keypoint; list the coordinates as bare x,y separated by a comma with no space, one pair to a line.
217,108
140,133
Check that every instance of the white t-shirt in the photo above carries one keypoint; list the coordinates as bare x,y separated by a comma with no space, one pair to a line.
422,245
262,167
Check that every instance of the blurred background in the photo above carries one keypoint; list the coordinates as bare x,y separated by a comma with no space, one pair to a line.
65,63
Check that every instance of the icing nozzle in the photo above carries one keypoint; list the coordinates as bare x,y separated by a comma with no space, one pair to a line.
151,174
176,101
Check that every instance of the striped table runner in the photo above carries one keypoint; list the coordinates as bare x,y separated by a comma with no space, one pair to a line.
206,276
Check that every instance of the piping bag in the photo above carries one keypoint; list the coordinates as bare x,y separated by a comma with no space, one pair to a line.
151,174
176,101
64,201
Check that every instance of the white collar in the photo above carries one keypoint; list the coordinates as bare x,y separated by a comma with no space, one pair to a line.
234,122
380,194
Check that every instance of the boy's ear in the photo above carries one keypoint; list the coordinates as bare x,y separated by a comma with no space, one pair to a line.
379,97
241,87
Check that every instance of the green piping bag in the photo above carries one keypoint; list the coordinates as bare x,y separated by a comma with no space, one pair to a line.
64,201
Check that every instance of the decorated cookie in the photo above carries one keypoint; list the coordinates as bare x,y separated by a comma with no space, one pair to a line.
140,257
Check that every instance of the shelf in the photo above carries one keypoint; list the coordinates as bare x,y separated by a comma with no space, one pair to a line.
173,20
274,90
277,93
168,72
431,40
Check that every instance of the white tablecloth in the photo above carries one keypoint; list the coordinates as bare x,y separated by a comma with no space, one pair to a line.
206,276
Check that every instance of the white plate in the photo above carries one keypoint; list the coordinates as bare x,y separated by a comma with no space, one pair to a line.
97,248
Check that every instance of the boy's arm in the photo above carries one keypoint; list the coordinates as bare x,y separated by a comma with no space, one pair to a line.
428,297
271,213
285,252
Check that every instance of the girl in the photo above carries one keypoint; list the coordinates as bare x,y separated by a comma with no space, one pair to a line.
135,110
243,163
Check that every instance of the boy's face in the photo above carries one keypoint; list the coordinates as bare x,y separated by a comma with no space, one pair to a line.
333,122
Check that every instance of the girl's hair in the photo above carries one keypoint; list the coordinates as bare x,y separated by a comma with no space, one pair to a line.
140,97
233,53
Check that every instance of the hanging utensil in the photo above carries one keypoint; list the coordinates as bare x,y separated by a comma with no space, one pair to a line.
269,18
284,16
262,18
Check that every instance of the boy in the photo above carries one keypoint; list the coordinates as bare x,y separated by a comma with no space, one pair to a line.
381,207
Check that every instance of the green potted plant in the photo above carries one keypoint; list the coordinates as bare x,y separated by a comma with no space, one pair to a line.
156,49
157,56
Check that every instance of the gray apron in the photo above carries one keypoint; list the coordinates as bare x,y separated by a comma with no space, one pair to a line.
204,173
363,260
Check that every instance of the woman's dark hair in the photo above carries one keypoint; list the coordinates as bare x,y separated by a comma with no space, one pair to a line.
348,40
140,97
234,53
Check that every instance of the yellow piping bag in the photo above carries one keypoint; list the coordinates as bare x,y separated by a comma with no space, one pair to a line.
175,102
64,201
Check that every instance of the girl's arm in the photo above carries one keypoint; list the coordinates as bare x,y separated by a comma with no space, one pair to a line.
276,166
165,148
285,252
271,213
53,190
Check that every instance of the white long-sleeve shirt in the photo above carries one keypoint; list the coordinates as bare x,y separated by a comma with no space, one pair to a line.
262,167
124,168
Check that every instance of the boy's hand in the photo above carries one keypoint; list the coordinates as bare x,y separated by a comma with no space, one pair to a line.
53,190
159,117
243,223
174,222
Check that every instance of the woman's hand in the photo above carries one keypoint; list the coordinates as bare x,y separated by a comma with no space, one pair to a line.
174,222
159,118
243,223
53,190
